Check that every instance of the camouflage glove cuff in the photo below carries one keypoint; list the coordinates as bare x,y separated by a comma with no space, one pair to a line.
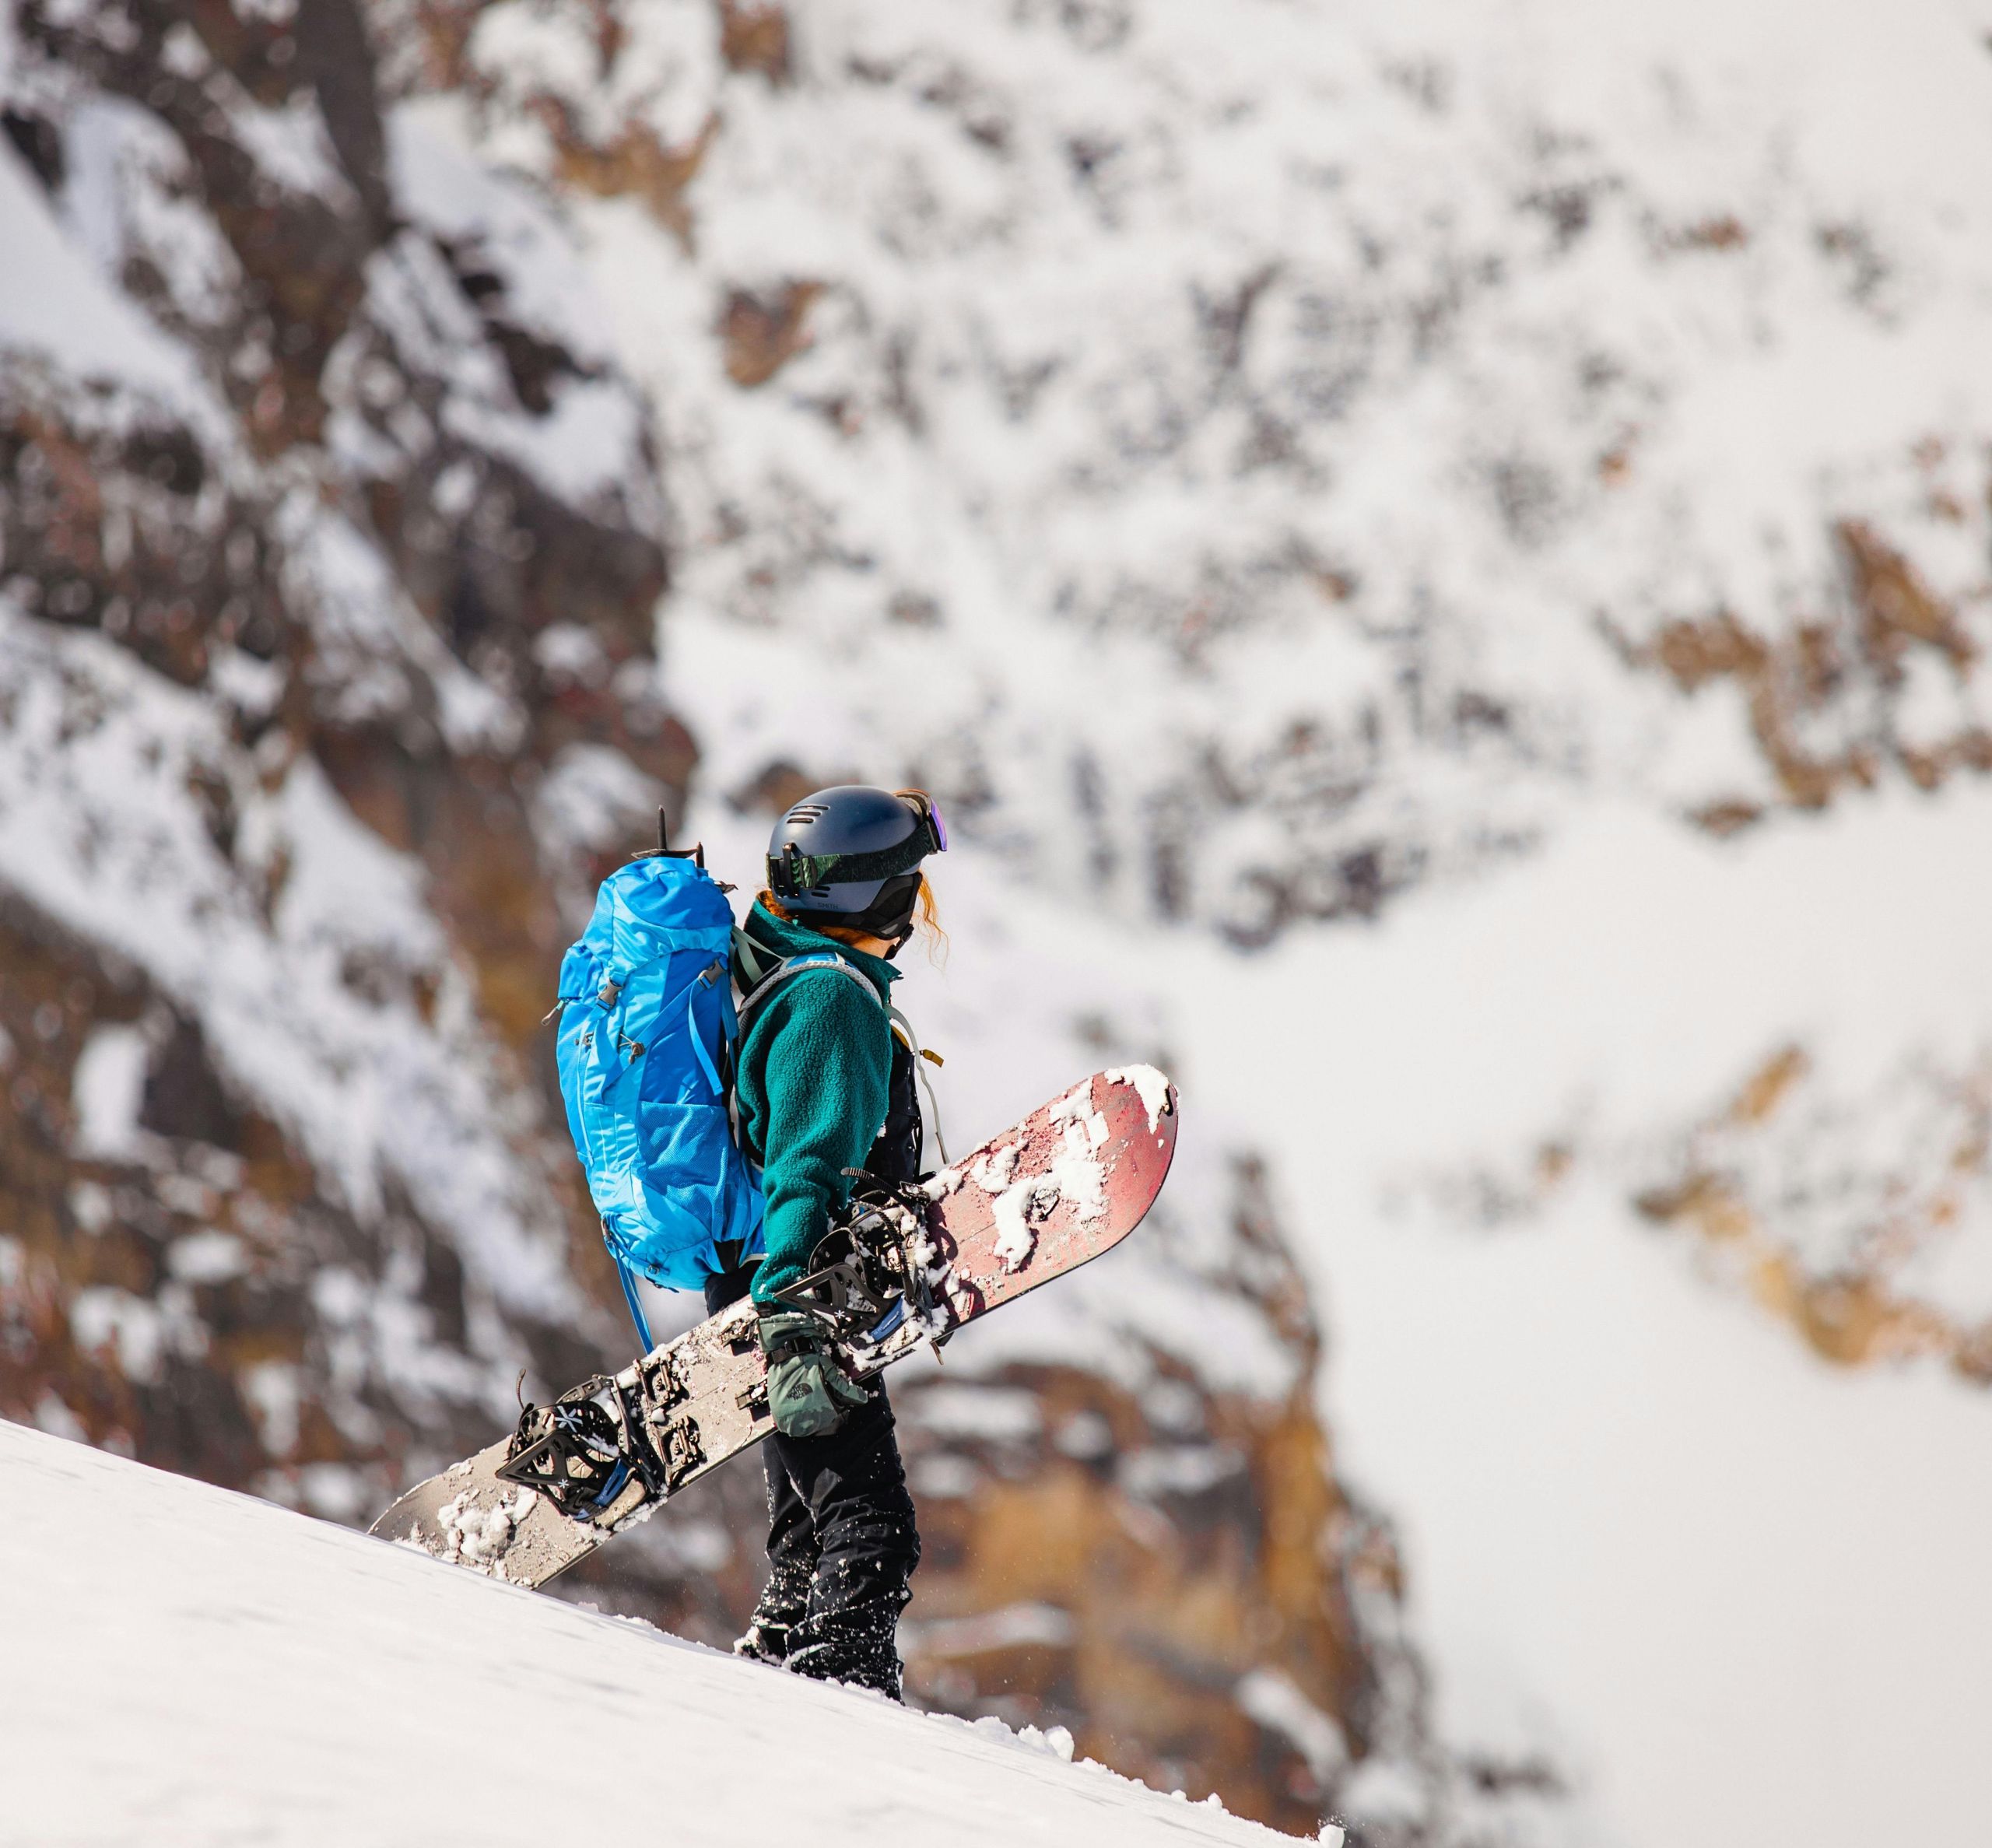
808,1392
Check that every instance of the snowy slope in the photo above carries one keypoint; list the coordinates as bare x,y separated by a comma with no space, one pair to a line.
187,1666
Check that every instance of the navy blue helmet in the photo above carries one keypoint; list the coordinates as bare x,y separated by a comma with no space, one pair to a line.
851,855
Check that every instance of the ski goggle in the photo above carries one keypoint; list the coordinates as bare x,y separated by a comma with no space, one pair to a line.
927,811
792,872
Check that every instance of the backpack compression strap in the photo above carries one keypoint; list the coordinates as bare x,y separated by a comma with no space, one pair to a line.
767,972
714,972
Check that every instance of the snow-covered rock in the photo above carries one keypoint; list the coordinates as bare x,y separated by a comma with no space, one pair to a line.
1253,459
310,441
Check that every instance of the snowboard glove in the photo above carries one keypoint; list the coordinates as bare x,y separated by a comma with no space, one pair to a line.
808,1392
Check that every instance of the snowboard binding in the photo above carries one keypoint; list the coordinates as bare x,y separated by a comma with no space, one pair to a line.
874,1268
577,1451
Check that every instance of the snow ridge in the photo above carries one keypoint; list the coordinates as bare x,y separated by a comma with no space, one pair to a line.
300,1683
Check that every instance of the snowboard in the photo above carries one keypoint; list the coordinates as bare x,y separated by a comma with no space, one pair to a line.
1044,1196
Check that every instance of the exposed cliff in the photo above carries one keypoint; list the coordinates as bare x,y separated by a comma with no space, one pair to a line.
331,537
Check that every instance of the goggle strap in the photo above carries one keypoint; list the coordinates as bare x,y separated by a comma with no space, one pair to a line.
793,872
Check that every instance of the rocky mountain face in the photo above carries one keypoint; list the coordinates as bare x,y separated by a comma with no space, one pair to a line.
331,544
334,527
1255,470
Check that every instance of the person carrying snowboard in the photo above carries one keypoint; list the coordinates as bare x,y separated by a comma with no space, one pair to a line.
824,1083
720,1138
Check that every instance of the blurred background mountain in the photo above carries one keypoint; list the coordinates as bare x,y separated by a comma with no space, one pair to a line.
1439,560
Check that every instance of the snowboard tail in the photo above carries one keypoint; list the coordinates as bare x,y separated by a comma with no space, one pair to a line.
1044,1196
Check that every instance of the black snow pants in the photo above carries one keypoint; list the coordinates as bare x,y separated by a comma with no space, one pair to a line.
842,1545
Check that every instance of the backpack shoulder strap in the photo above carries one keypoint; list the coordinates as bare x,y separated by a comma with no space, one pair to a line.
768,972
756,958
904,1027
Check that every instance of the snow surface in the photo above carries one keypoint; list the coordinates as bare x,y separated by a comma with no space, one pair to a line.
54,306
187,1666
109,1087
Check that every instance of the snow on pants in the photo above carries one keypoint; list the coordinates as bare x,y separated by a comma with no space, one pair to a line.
842,1545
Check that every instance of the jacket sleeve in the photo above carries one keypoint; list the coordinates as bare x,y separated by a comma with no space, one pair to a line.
825,1058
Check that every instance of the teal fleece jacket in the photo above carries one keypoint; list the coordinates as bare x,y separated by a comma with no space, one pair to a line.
812,1074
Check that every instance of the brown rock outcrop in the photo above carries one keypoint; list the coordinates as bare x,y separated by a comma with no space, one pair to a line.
345,533
1831,1213
1823,697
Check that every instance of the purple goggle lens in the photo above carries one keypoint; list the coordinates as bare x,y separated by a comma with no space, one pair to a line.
929,810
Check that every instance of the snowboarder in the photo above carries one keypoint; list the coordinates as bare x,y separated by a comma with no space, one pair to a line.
824,1083
670,1089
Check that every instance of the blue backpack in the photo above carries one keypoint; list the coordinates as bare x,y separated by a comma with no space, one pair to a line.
646,1041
